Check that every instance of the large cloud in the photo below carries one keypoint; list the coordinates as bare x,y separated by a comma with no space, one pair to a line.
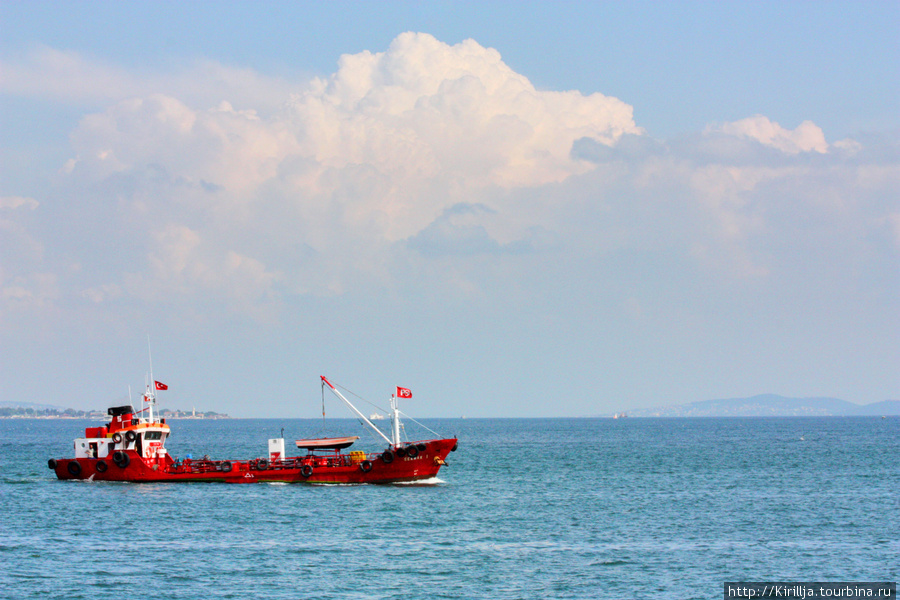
365,158
424,108
422,126
423,151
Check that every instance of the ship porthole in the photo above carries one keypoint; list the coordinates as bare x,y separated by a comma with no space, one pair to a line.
74,468
306,470
366,466
102,466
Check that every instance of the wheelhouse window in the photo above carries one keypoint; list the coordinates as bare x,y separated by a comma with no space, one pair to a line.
153,435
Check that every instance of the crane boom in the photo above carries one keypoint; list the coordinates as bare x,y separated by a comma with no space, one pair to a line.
355,410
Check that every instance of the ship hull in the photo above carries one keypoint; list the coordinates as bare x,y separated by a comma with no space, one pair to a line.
403,465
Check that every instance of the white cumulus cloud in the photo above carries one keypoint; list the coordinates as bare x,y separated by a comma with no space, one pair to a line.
807,137
425,108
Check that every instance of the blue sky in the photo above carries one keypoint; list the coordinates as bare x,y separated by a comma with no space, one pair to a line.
514,209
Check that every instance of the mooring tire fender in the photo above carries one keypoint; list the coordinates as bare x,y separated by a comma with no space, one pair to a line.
226,467
121,459
74,468
101,466
412,451
130,435
306,470
365,466
387,456
117,438
52,463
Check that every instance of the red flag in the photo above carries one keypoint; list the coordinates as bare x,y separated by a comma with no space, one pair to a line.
403,392
161,386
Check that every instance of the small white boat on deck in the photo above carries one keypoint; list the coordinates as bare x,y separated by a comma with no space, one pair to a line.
335,443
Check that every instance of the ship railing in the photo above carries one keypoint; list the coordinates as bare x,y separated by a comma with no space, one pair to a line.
201,466
314,460
204,465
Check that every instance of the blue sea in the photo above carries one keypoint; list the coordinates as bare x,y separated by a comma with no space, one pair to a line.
528,508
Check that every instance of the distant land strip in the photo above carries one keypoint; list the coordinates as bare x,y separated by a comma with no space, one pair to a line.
769,405
27,410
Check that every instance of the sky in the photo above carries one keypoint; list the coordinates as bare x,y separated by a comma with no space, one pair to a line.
514,209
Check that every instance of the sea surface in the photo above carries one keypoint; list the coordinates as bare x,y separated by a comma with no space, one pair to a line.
528,508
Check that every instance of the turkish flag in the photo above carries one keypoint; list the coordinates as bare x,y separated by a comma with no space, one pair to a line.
403,392
160,386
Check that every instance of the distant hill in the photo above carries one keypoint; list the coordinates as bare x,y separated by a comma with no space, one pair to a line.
772,405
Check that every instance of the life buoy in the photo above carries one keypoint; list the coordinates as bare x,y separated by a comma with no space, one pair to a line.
262,464
365,466
52,463
387,456
226,467
412,451
102,466
117,438
74,468
130,435
306,470
121,459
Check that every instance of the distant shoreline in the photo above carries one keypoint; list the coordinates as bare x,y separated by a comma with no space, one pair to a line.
105,418
27,412
769,405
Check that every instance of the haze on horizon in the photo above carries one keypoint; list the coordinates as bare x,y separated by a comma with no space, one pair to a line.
511,209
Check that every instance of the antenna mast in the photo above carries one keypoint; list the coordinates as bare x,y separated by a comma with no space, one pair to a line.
150,396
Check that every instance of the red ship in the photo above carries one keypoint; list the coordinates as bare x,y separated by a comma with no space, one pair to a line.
132,448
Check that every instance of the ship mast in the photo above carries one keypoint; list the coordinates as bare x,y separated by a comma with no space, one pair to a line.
149,396
395,420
